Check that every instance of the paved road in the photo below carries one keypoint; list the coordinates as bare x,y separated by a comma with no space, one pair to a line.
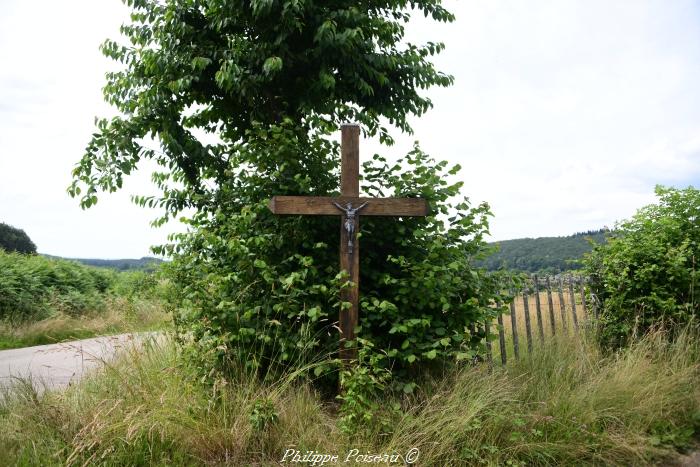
56,366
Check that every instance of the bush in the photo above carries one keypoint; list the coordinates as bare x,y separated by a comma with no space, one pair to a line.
647,272
248,278
15,240
35,286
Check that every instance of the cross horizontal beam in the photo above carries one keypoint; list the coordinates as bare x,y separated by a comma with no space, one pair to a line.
323,205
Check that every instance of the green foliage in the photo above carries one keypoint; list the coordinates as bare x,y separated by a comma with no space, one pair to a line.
35,287
362,410
242,98
224,66
547,255
140,284
256,279
15,240
263,415
646,274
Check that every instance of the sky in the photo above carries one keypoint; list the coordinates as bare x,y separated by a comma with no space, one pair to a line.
564,115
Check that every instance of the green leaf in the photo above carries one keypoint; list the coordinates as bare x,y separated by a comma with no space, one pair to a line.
272,65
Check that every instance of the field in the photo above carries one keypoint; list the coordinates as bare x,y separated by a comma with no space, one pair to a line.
565,404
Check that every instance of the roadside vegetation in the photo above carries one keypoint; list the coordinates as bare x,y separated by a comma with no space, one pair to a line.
566,404
44,300
647,273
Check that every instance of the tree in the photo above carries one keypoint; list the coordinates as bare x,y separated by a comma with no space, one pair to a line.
14,239
229,67
242,98
646,274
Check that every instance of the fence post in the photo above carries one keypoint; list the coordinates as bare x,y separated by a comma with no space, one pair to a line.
540,326
550,303
582,283
594,299
514,326
562,304
487,334
502,339
528,328
572,296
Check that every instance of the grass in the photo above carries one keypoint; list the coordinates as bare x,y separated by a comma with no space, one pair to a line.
119,315
566,404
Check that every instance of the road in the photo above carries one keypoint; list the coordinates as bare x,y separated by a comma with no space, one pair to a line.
56,366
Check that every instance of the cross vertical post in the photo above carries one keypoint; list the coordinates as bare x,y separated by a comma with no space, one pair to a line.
349,260
349,206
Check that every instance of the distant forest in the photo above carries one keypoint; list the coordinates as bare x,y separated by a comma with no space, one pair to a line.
545,254
144,264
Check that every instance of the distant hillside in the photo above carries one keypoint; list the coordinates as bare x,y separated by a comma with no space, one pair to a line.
145,263
544,254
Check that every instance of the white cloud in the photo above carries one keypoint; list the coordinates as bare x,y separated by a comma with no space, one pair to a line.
566,114
50,88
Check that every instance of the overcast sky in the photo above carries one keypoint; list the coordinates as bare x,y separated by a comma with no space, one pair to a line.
564,114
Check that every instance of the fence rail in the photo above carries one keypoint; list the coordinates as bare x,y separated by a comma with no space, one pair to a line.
535,315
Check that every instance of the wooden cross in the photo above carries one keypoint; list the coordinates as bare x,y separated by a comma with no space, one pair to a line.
350,206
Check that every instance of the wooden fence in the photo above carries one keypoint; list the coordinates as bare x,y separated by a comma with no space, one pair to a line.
542,307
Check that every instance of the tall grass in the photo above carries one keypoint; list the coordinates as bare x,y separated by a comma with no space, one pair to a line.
566,404
151,409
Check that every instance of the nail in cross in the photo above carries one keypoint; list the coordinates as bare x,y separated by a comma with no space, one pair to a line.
349,226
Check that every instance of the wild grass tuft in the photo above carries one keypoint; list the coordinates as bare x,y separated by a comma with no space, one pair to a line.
151,409
566,404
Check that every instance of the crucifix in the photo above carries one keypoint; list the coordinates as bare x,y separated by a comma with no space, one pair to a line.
350,206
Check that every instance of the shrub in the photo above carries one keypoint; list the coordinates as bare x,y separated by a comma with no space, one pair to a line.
647,272
249,278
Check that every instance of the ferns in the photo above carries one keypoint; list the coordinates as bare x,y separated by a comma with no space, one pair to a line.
35,287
